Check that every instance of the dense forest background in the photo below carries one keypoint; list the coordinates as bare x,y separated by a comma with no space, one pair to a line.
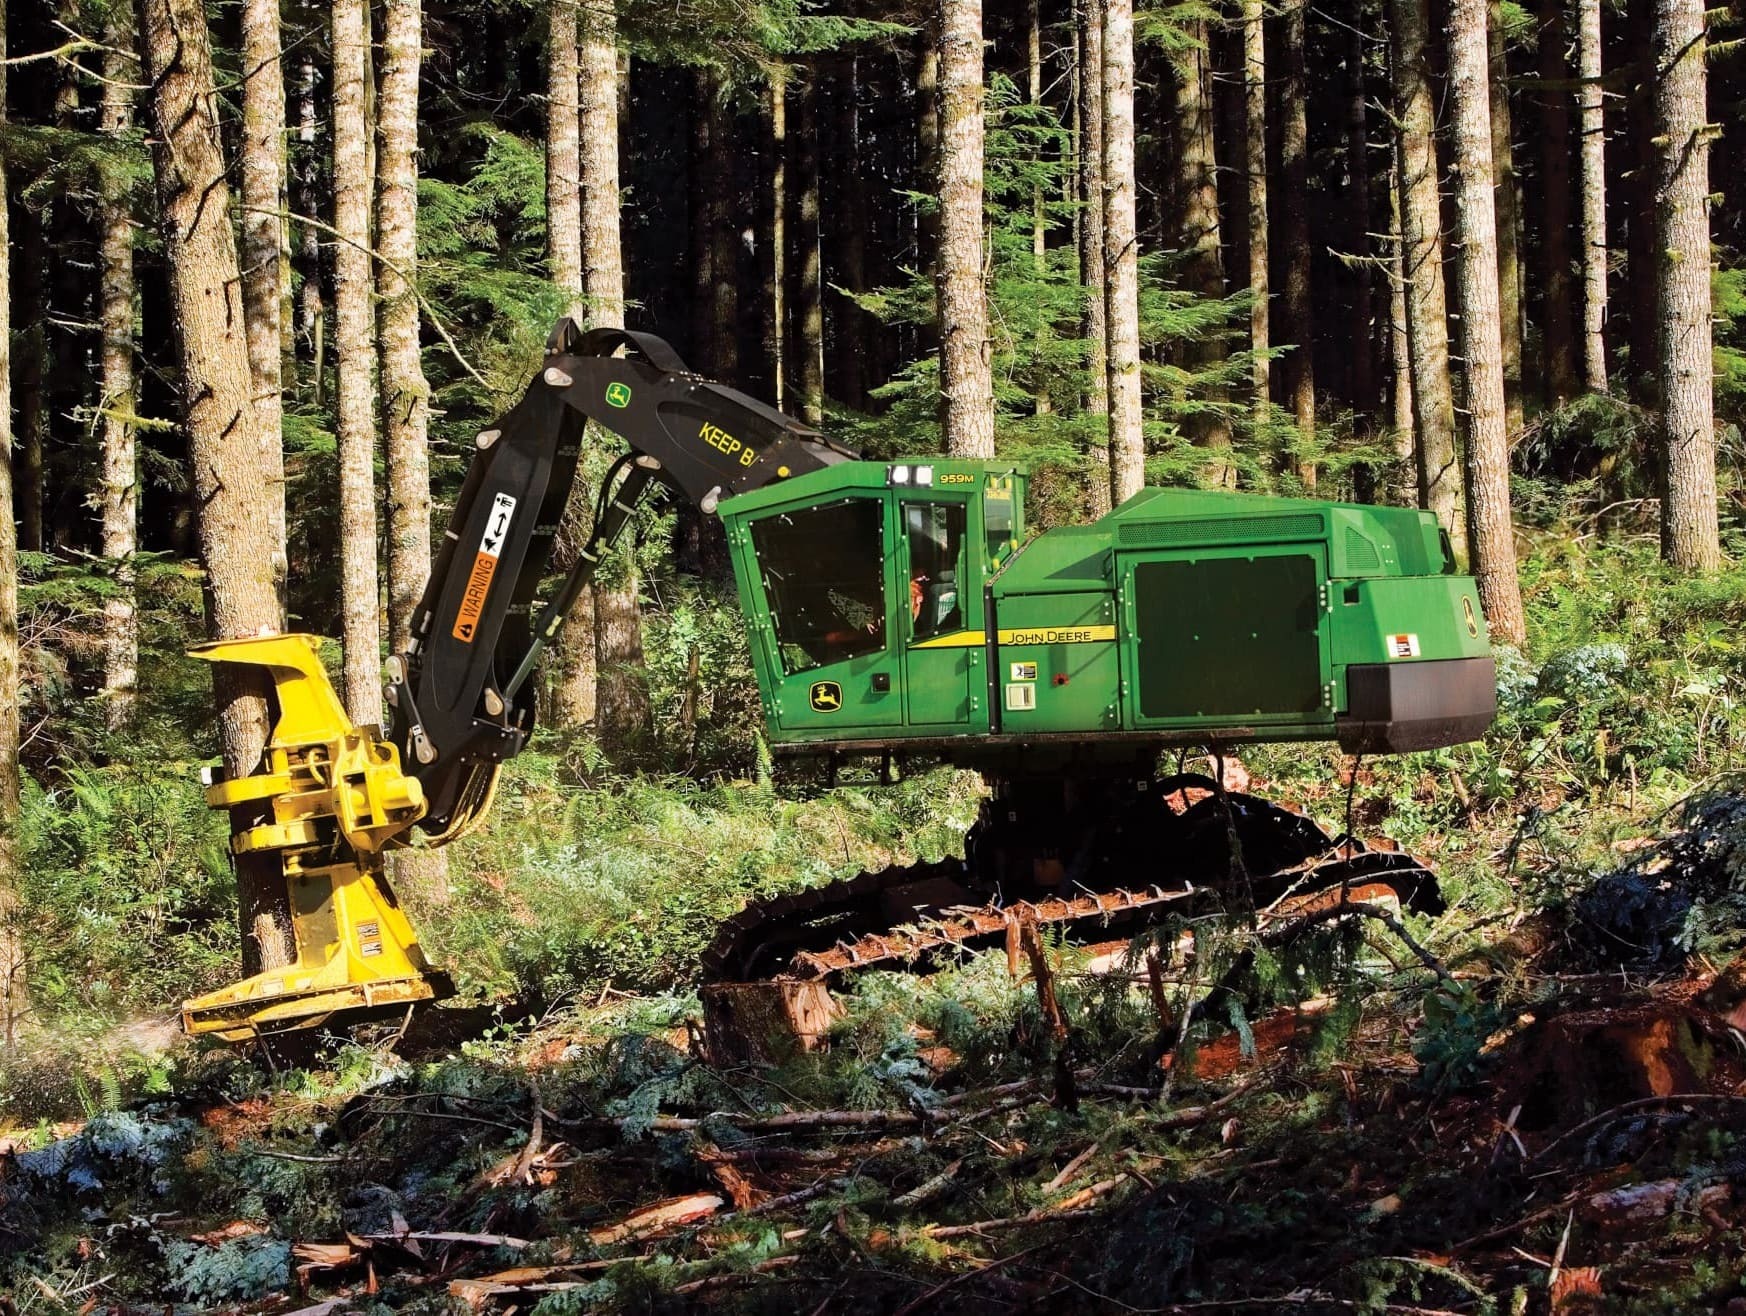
270,269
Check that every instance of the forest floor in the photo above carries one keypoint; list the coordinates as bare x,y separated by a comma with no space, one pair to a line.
1523,1130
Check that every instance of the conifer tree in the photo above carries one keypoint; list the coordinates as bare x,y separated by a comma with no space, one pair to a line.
966,378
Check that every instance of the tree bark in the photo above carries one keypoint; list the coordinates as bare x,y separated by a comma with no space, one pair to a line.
563,158
723,218
262,169
574,685
1363,376
1400,371
1091,244
808,258
927,150
118,480
1557,328
32,361
13,999
1300,364
622,711
1427,301
405,394
1591,118
311,310
966,374
1509,218
1683,346
1491,536
1255,175
775,269
1121,269
355,346
231,490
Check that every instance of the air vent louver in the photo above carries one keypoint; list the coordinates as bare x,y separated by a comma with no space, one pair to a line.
1222,530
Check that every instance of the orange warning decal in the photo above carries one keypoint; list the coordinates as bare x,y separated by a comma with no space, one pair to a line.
473,600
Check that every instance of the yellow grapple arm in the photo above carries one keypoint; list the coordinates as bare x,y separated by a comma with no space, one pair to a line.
331,797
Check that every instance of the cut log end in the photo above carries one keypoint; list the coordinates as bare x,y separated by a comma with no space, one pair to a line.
765,1022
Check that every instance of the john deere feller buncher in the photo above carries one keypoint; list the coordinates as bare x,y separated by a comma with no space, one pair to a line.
893,608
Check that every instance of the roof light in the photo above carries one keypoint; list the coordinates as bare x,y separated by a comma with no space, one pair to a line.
900,475
924,475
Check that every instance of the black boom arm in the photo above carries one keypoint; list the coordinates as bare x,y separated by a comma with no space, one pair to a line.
459,694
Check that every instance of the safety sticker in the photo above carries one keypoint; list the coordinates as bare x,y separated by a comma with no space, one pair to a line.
1403,646
484,567
1024,671
369,939
1021,696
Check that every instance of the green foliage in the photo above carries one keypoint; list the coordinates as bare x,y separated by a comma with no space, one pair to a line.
239,1269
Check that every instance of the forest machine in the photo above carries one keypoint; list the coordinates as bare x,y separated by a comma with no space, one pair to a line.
893,608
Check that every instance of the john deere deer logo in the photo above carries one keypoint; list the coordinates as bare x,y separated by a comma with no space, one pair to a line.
825,696
618,395
1469,618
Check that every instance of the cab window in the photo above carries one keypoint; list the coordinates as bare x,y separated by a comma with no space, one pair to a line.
935,533
823,570
997,520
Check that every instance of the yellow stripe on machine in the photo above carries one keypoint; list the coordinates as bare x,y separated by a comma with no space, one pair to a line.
1059,635
954,640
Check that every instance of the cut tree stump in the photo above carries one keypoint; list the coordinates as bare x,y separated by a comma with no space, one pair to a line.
765,1022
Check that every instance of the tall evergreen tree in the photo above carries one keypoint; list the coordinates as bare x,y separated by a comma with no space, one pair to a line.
1255,184
1299,304
12,962
1683,357
1593,129
966,376
1121,258
1491,534
261,165
118,478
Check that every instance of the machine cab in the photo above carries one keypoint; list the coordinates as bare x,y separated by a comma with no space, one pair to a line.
863,587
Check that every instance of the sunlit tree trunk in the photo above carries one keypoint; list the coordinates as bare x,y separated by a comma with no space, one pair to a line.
355,346
573,675
1255,177
722,220
1427,302
1363,376
1300,365
927,165
118,480
1509,218
966,376
775,253
1400,371
1491,536
1557,327
1683,360
311,308
1591,117
262,169
30,384
1121,268
1091,250
231,488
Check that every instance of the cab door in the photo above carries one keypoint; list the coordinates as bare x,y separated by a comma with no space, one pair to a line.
944,678
825,577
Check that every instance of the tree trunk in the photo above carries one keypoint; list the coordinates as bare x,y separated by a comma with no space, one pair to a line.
405,394
1593,159
1682,339
1427,303
355,345
1255,174
1300,364
723,218
1363,377
118,481
622,712
1121,269
853,354
1509,218
1557,327
563,159
230,488
1491,537
808,259
262,169
927,166
311,312
1091,244
700,209
1400,371
775,269
13,998
573,672
966,375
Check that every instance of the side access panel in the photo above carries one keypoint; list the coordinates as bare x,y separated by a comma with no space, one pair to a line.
1057,667
1228,640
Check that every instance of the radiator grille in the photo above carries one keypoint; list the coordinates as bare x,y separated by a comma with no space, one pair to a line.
1361,554
1221,530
